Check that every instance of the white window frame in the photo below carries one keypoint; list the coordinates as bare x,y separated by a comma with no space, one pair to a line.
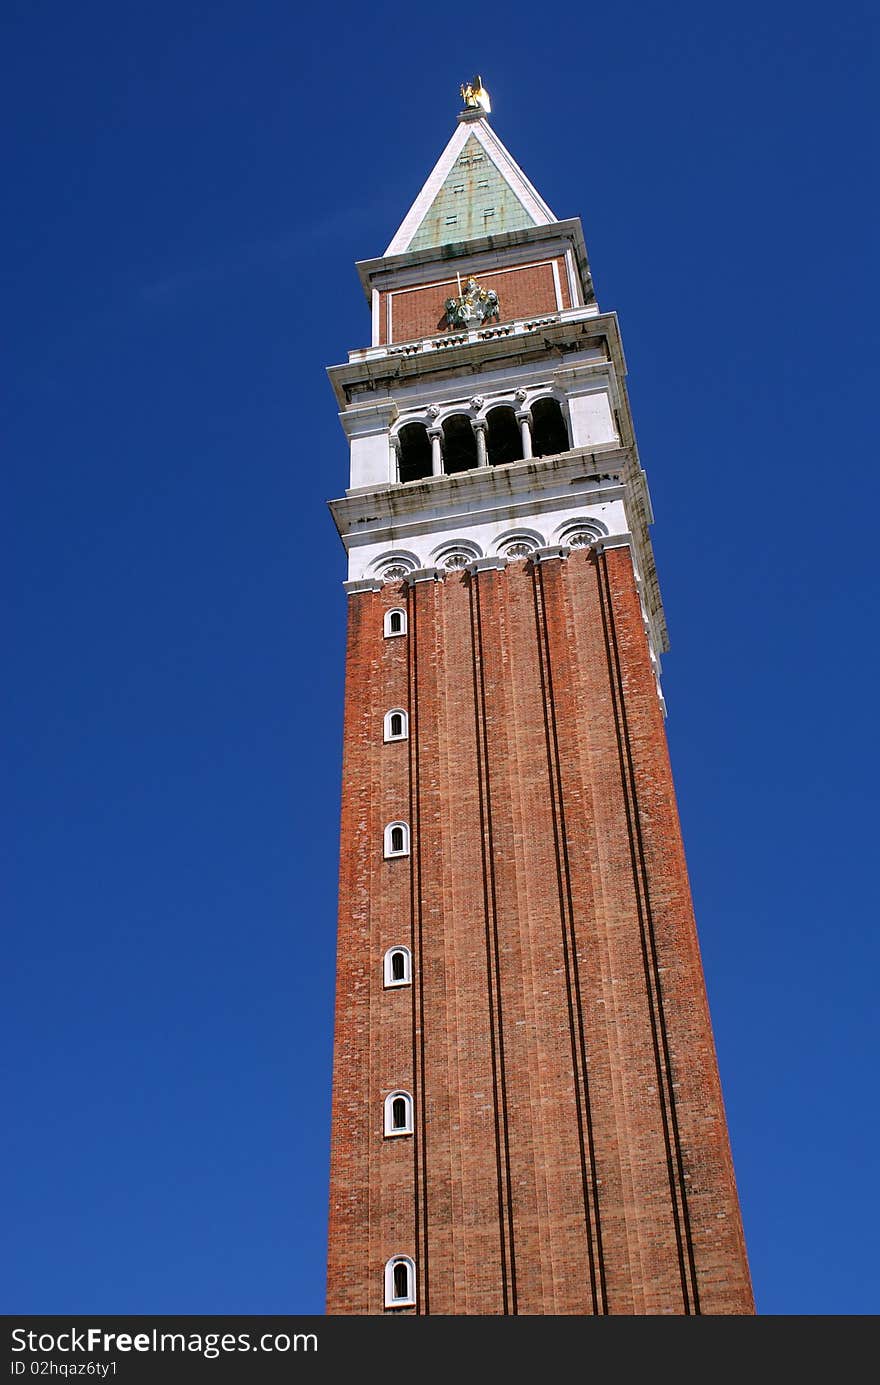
390,1300
388,733
388,967
390,853
394,634
391,1131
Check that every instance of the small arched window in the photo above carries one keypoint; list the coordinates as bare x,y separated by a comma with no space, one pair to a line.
395,622
397,967
396,725
396,839
400,1282
398,1114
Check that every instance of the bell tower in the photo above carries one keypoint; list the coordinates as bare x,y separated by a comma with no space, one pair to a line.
527,1116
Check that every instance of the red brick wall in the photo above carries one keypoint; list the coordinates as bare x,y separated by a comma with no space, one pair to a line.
525,291
570,1153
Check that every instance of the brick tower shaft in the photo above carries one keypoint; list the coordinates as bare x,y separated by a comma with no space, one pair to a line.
527,1114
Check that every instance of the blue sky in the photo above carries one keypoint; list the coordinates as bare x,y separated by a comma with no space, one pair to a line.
188,187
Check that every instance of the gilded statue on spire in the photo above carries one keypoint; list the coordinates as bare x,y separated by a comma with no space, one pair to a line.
474,95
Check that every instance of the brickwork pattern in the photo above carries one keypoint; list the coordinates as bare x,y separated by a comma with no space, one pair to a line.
570,1153
523,292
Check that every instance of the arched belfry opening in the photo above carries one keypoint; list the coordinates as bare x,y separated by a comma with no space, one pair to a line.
503,436
549,432
459,444
414,452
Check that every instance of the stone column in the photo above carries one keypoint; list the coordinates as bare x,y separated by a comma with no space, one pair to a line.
436,435
395,458
479,427
524,419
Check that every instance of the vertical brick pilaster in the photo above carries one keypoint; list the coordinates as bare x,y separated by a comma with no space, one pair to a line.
714,1245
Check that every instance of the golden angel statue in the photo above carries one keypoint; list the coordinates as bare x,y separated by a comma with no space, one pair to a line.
474,94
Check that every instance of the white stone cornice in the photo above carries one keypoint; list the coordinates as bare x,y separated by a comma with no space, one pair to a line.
366,584
582,377
604,541
495,562
443,344
425,574
379,372
541,246
522,485
548,551
374,417
496,246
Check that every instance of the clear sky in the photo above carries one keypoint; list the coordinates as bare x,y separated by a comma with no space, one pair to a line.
187,188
